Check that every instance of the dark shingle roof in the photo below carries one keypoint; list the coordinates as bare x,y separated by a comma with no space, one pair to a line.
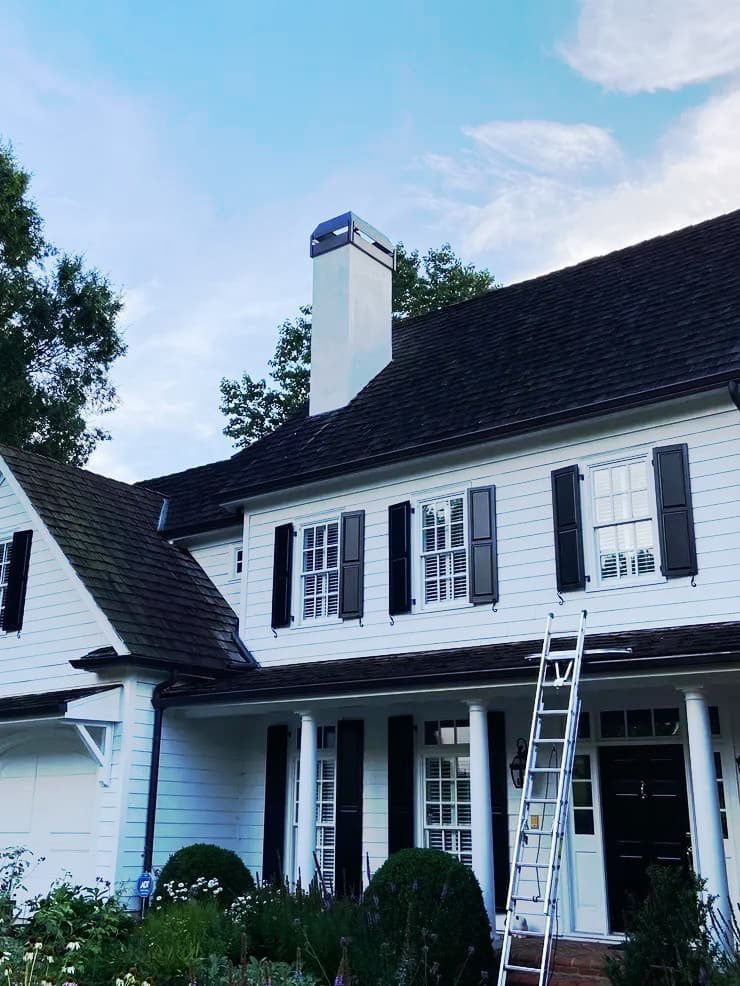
634,651
637,325
160,601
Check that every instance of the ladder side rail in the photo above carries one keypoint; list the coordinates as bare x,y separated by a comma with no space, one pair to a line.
521,841
564,823
566,763
529,777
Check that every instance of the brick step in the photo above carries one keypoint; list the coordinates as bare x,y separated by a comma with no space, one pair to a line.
574,963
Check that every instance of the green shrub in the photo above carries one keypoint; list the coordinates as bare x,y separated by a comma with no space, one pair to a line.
171,943
668,942
427,908
277,923
206,862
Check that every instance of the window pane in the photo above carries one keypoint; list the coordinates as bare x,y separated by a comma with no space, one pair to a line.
612,724
714,723
583,822
582,767
667,722
639,722
582,797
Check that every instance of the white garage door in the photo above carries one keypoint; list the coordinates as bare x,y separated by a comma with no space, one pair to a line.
48,794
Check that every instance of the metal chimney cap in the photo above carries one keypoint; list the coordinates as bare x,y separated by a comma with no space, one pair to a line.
350,228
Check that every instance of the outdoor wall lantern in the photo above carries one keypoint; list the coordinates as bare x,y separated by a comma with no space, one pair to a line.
519,763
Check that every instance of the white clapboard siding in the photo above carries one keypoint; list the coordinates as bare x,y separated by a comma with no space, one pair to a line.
60,622
201,795
526,557
217,559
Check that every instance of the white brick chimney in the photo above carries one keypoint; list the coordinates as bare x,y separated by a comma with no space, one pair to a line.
353,268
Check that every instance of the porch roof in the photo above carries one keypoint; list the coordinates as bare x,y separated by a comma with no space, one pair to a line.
46,704
633,651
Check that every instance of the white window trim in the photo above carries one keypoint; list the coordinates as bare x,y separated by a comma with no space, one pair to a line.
299,620
591,551
235,549
417,581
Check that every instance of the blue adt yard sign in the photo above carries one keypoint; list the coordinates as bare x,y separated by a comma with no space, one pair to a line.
145,886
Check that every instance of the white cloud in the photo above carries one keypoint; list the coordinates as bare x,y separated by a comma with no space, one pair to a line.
547,146
634,45
522,222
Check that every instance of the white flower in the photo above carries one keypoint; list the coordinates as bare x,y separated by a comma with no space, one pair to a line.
69,969
119,982
73,946
37,946
28,956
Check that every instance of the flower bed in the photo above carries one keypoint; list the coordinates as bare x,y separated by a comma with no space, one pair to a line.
267,936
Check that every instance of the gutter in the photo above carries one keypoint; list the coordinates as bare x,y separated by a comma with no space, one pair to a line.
684,388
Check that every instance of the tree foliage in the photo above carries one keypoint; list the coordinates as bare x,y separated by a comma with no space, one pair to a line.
58,335
421,284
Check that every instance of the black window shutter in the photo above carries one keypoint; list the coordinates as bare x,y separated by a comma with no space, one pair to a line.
499,769
15,592
482,535
348,860
566,505
276,780
399,558
351,576
675,512
400,783
282,574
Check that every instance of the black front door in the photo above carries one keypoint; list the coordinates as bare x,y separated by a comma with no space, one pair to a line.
646,818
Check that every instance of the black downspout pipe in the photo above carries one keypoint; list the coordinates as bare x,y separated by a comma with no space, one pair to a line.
151,804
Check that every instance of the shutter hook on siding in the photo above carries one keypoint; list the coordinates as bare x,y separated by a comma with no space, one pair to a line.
693,581
391,621
493,608
561,601
274,632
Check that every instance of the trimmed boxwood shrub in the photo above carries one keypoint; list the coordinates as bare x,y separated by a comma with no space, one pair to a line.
207,861
423,897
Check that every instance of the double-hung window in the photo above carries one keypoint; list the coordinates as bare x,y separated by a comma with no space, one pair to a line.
446,779
326,798
444,550
5,548
320,570
623,516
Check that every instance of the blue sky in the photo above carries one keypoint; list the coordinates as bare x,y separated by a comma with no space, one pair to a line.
187,150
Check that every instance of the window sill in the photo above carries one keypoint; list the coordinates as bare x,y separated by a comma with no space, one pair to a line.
443,607
626,584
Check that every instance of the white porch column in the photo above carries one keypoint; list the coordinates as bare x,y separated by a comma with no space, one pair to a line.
480,807
305,844
709,851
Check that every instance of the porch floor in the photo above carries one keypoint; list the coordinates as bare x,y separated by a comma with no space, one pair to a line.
575,963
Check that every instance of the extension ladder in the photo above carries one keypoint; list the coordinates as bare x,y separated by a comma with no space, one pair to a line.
543,814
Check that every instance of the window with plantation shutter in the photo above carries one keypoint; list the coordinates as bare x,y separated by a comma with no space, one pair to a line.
320,570
444,549
17,562
326,800
446,771
5,550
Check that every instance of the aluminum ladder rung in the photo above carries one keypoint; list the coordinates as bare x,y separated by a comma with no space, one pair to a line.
560,670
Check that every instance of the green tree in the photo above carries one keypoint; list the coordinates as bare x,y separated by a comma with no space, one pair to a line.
421,284
58,335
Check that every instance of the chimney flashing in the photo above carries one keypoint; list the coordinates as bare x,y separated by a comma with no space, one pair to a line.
349,228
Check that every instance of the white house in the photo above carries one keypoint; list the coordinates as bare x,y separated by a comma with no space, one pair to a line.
389,559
